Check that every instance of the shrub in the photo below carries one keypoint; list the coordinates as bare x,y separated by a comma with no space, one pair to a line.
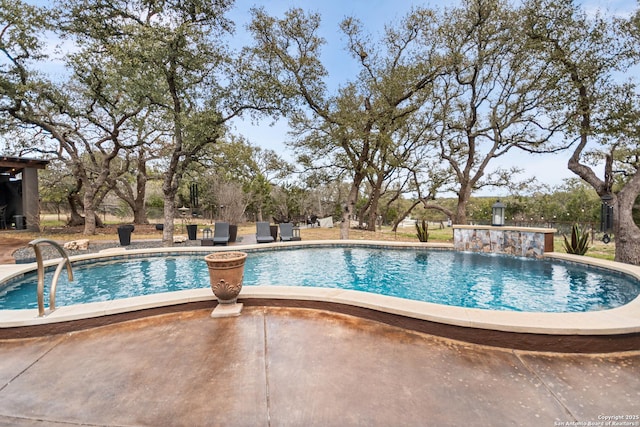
422,230
579,241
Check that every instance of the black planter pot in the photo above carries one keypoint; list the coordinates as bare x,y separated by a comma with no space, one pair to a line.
124,234
192,231
233,232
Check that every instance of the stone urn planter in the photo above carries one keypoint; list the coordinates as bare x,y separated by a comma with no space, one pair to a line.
226,271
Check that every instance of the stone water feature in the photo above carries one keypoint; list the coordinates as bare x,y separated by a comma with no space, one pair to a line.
519,241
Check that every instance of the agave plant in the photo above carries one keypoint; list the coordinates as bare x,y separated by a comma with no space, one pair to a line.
579,241
422,231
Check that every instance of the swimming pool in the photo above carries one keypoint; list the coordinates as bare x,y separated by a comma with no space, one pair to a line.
492,282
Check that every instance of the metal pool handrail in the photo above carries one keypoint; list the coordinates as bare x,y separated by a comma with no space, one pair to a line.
54,283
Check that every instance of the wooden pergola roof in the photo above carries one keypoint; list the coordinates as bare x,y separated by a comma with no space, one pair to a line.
15,165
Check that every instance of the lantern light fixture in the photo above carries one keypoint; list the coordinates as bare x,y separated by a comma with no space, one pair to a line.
497,213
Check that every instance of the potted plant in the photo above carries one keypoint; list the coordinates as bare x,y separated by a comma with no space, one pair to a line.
192,230
124,234
233,232
226,271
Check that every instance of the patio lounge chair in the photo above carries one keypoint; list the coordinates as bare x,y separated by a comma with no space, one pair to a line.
221,233
263,232
286,231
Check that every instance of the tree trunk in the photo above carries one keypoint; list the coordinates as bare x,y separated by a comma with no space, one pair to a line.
140,216
89,222
75,205
138,207
344,225
373,210
75,219
169,210
139,211
89,213
460,216
461,213
627,240
169,190
627,233
348,210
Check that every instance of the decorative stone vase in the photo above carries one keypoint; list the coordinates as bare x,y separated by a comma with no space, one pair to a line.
226,271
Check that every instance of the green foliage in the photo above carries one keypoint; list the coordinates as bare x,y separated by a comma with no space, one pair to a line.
579,241
155,206
422,230
122,210
155,201
21,38
55,184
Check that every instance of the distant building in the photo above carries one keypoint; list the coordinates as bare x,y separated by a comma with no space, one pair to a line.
19,192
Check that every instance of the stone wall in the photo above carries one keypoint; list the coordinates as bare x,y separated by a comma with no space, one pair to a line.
519,241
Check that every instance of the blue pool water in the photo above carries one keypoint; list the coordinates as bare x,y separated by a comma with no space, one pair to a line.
443,277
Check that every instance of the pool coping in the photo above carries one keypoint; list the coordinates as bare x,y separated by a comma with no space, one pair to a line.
614,323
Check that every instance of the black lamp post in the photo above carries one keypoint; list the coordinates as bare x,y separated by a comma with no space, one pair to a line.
497,213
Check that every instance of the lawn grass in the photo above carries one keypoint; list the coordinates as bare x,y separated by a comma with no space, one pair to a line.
597,249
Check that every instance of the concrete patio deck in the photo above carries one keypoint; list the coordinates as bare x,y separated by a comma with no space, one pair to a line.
300,367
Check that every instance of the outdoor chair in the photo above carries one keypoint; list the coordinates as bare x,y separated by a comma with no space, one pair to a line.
263,232
286,231
221,233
